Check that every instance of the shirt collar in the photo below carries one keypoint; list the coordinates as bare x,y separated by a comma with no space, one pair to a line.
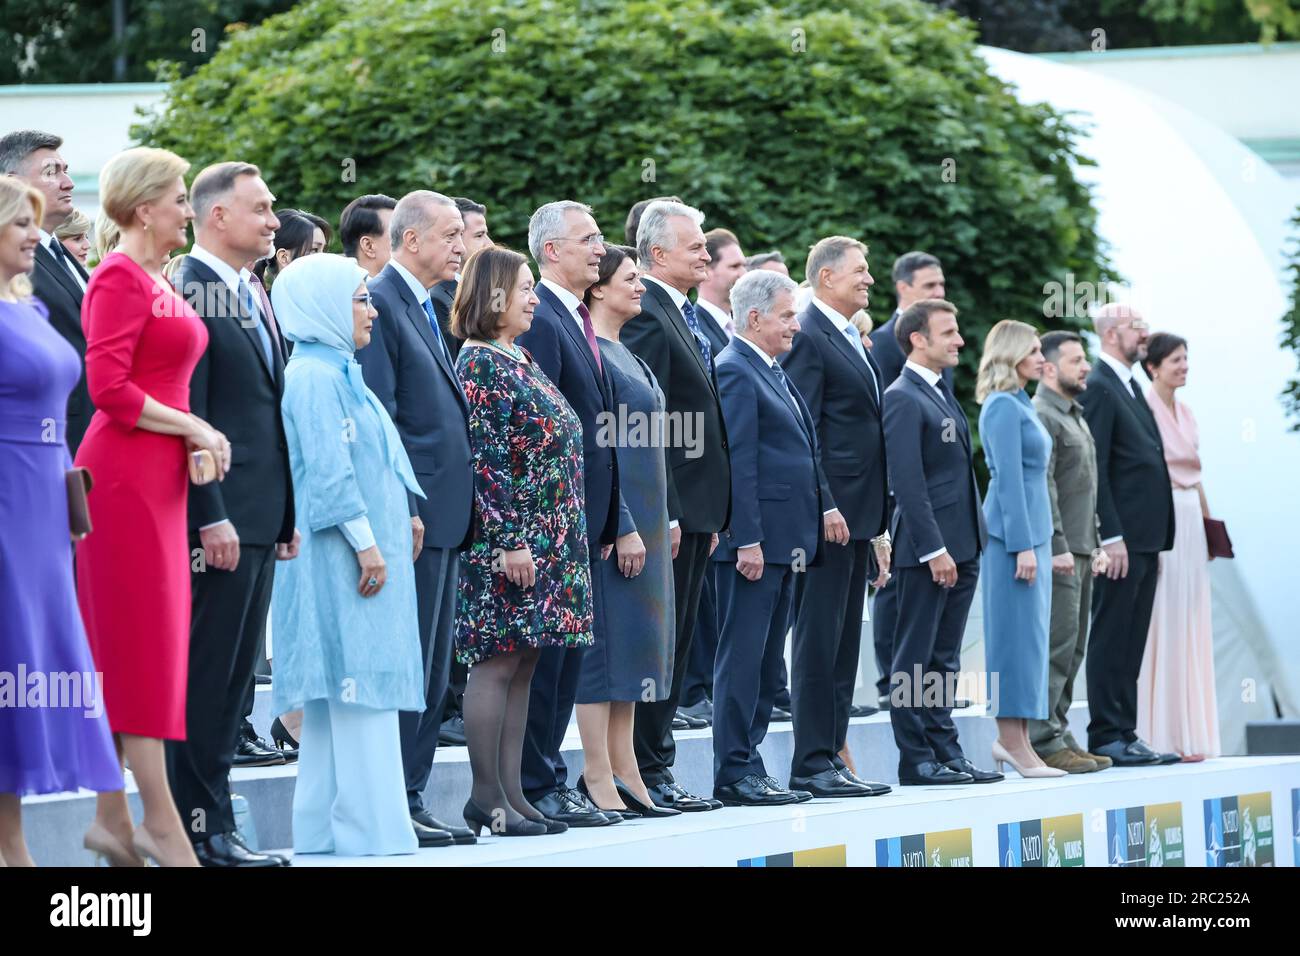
837,320
1124,372
763,355
420,292
45,237
678,297
931,378
225,272
570,301
1056,400
716,313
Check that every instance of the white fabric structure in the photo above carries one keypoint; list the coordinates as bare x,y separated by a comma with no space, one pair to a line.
1198,224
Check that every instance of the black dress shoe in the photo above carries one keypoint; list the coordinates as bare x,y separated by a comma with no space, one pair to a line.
877,789
800,796
650,812
780,715
753,791
452,732
227,850
580,795
829,784
962,765
254,753
681,723
461,836
930,773
1128,754
701,711
558,805
671,796
692,722
429,836
862,710
882,702
961,703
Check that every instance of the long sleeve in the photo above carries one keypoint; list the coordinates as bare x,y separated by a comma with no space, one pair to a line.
321,432
491,409
644,337
1003,448
1099,412
740,411
207,503
903,427
1060,545
115,316
804,367
378,361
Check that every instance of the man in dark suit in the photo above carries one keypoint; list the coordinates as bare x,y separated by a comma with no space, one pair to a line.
444,293
242,524
408,367
713,307
842,385
916,276
667,336
938,533
1136,506
58,279
363,230
567,245
774,535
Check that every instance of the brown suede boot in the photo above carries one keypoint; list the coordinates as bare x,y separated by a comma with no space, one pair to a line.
1101,762
1069,761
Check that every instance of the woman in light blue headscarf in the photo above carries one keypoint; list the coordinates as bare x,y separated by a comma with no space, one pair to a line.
347,647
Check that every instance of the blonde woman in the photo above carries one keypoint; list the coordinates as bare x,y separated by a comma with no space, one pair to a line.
74,233
107,235
1016,567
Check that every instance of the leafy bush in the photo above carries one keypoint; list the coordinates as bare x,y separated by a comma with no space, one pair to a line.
876,118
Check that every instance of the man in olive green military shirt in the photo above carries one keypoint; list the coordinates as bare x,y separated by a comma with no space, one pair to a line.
1072,486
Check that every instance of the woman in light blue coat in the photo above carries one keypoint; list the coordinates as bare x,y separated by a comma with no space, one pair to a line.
1016,568
347,647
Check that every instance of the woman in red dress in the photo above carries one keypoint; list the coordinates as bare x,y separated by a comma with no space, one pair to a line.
133,570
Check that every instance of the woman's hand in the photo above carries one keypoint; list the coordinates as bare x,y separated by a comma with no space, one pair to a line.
631,554
518,567
206,438
1026,567
373,569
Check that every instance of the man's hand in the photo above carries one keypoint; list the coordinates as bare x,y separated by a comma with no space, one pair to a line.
943,570
1063,564
1117,552
837,529
713,543
220,546
417,536
675,537
631,554
749,562
287,552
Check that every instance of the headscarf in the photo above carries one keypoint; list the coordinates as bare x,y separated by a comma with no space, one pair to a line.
312,298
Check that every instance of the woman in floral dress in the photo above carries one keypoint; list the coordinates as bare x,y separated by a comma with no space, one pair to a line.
525,583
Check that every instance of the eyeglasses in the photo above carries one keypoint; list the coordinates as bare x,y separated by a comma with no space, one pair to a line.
595,239
365,297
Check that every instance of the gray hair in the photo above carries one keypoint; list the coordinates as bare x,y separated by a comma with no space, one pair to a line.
415,211
547,222
757,291
760,259
655,229
1109,315
214,183
15,147
828,253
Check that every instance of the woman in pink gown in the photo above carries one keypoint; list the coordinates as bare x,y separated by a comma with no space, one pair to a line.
1177,710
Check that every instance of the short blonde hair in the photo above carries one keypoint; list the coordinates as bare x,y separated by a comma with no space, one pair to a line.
107,236
1007,345
18,197
78,224
136,176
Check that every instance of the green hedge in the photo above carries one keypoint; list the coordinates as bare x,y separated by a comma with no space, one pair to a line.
876,118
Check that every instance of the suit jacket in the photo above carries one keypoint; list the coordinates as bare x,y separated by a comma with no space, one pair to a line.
717,337
937,503
560,350
408,372
62,297
889,354
776,480
699,465
443,294
1134,496
842,398
237,392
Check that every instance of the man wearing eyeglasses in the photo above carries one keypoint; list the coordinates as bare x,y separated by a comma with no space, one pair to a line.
1136,508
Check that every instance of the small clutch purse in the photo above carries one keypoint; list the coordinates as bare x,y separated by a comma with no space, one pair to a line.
1216,537
78,483
203,467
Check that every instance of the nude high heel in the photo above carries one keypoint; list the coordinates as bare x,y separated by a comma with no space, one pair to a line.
1002,756
108,849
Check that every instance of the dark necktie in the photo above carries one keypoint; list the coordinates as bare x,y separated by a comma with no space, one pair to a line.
589,331
253,315
701,340
437,332
59,252
949,398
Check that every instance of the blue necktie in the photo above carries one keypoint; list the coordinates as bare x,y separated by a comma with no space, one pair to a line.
701,340
437,332
255,316
851,333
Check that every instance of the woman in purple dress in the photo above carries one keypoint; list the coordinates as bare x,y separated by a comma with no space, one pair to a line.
54,735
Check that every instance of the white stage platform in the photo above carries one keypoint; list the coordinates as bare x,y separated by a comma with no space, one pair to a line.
1137,816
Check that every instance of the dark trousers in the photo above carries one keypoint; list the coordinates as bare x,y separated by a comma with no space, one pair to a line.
1121,615
436,574
884,622
227,630
653,730
452,702
827,638
698,682
751,648
551,696
927,648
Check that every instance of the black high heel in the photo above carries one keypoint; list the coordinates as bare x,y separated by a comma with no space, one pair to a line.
624,812
477,820
281,737
650,812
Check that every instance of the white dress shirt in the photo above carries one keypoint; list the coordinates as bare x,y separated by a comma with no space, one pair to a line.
569,300
931,379
717,314
420,292
841,325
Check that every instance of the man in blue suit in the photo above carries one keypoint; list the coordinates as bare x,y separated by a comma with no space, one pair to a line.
567,245
775,533
407,365
938,533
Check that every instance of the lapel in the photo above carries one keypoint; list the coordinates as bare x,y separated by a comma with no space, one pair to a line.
233,309
678,321
841,344
46,259
417,317
570,328
939,403
714,332
765,372
1141,410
